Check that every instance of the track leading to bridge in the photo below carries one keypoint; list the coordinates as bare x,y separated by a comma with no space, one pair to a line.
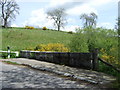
23,77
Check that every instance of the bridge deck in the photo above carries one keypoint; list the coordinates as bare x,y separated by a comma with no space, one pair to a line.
81,74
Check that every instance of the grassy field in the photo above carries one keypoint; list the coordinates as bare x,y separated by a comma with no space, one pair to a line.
19,38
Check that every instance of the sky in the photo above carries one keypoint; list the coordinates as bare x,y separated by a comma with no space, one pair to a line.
33,13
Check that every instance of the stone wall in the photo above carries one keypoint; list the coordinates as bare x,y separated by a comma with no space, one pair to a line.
80,60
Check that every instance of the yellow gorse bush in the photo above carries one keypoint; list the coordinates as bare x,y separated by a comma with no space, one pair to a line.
54,47
29,27
30,48
44,28
110,58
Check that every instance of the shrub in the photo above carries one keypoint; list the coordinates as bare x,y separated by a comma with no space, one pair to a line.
29,27
4,55
44,28
30,48
105,40
78,43
57,47
110,56
70,32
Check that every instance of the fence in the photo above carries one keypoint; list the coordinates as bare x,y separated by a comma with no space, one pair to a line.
10,52
80,60
108,64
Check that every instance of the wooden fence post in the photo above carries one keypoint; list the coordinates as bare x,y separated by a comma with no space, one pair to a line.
95,59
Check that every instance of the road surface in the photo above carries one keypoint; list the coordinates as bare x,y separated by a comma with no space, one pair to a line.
14,76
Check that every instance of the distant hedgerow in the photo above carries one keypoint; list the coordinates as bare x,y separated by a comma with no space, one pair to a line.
70,32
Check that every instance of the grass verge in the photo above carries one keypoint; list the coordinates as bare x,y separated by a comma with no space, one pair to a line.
110,71
9,62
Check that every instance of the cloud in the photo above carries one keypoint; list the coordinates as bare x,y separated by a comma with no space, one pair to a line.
81,9
74,8
54,3
101,2
71,28
72,3
14,25
39,18
71,20
67,4
106,25
33,0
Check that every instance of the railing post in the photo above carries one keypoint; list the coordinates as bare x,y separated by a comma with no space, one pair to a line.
95,59
8,51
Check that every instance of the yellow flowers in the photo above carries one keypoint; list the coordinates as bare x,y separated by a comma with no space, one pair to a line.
52,47
102,50
110,57
44,28
105,57
29,27
113,49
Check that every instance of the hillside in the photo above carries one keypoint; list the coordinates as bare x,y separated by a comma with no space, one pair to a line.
18,38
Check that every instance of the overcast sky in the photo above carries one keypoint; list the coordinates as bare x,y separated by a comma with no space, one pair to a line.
33,12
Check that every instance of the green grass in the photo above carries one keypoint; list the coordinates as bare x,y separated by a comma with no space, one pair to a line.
9,62
108,70
19,38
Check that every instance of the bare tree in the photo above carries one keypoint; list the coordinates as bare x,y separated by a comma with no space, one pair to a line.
58,15
89,19
9,9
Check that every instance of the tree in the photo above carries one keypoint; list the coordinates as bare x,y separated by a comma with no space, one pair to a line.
89,20
58,15
118,25
9,9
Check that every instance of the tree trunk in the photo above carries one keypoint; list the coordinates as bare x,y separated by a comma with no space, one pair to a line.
58,27
5,23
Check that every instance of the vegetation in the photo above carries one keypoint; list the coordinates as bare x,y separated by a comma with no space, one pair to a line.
44,28
106,41
89,20
70,32
58,15
29,27
50,47
20,38
9,62
108,70
4,55
84,40
8,11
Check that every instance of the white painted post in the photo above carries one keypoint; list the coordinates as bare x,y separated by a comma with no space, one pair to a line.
8,51
17,53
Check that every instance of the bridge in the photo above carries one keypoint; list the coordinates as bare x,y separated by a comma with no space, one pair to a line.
88,76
